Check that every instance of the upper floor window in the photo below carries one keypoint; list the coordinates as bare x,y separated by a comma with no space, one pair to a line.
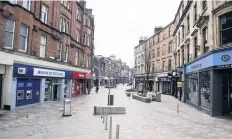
158,52
164,50
85,20
44,14
78,14
65,3
27,4
196,48
205,39
78,35
182,7
178,38
226,29
88,40
188,24
9,34
204,5
182,32
59,51
170,47
66,51
195,13
84,39
158,38
169,64
43,43
77,57
23,38
187,53
169,31
64,25
135,60
163,66
13,1
153,53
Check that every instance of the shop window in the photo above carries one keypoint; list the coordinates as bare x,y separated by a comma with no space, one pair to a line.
48,90
205,89
20,85
226,29
192,93
29,94
20,94
29,84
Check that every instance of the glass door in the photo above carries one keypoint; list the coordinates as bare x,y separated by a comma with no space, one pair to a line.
227,93
230,94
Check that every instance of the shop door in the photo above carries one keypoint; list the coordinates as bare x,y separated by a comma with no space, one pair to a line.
0,90
227,93
28,91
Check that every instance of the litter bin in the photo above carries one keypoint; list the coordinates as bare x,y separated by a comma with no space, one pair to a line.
67,107
158,97
110,99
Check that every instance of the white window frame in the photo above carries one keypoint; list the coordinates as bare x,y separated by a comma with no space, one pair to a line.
12,35
85,36
26,38
13,1
44,19
28,2
59,50
44,45
66,53
78,35
77,58
67,27
61,24
78,14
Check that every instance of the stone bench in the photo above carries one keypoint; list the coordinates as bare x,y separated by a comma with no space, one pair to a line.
98,110
140,98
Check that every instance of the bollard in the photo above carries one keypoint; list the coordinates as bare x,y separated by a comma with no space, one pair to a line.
28,112
104,113
106,121
178,108
110,128
101,112
117,132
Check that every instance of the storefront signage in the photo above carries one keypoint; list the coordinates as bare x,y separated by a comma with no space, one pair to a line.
196,66
48,73
179,84
223,66
21,70
225,57
78,75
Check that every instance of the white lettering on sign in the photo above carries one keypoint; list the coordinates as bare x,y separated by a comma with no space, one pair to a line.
81,75
46,72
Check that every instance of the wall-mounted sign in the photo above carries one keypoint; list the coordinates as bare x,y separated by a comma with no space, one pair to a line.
225,57
21,70
48,73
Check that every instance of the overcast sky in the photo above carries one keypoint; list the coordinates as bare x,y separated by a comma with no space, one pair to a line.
120,23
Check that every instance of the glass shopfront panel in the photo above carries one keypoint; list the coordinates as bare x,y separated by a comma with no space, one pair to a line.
48,90
205,89
192,93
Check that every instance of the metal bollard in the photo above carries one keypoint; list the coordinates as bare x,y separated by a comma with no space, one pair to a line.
101,112
117,132
104,113
106,120
110,128
28,111
178,109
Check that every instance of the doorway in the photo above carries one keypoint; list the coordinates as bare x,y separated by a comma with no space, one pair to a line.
1,90
227,93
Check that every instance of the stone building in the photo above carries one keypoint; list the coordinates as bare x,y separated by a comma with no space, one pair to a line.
46,50
202,55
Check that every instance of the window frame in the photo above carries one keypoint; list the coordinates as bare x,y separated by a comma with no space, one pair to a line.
29,4
44,46
77,58
204,5
66,53
205,38
195,12
188,24
223,30
13,30
26,38
42,18
59,50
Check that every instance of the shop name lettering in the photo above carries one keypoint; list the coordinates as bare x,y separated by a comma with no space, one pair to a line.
196,66
54,73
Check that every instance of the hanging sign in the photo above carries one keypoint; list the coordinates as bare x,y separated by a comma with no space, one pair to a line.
48,73
179,84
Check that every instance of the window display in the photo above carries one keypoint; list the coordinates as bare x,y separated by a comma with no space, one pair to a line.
48,90
192,93
205,89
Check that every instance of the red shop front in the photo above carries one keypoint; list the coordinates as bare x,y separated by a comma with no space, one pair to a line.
79,84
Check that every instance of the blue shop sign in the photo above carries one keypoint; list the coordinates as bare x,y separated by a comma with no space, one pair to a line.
180,70
219,59
21,70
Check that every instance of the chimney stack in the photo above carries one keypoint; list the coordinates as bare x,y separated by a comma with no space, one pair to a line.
141,40
83,3
157,29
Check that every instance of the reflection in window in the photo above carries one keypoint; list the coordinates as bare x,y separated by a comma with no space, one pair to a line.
192,88
20,94
205,89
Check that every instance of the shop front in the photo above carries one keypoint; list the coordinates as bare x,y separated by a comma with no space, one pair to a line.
37,84
208,83
79,84
163,82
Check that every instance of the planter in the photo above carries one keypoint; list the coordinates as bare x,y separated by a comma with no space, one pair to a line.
140,98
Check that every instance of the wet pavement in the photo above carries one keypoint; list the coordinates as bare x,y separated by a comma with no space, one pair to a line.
142,120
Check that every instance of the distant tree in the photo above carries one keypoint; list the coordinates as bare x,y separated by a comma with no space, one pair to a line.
147,64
